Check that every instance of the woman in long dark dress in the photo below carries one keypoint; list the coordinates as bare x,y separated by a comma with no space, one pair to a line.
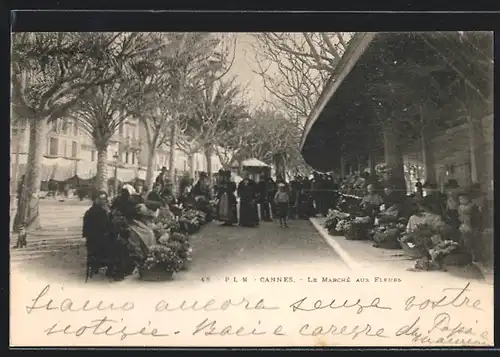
202,195
247,192
226,205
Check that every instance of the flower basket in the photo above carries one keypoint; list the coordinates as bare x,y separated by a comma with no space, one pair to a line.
179,244
160,264
357,231
155,274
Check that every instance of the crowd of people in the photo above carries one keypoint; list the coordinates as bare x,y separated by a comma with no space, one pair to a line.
433,227
120,232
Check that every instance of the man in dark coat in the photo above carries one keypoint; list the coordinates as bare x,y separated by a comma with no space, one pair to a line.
263,199
162,177
96,231
434,198
247,192
317,192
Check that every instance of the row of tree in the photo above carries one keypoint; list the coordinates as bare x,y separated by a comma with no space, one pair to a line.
176,84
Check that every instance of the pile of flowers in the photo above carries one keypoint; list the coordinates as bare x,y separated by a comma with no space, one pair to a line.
162,258
344,225
179,243
168,223
334,216
191,220
383,170
389,231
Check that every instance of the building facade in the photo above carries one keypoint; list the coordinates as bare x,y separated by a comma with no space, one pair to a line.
70,151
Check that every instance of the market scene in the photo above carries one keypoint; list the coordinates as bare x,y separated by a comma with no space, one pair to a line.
171,156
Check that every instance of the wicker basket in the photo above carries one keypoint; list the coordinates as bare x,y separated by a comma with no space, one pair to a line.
155,275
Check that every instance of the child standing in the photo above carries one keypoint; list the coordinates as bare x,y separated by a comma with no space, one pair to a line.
282,200
21,238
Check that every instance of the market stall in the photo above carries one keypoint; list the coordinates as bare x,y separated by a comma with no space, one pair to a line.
254,168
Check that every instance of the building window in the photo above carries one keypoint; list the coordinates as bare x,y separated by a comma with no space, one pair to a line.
133,158
74,148
65,154
92,156
126,157
65,127
75,129
53,147
54,125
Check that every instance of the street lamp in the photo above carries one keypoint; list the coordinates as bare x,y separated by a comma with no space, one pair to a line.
116,157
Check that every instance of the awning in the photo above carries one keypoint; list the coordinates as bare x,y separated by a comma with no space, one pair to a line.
344,120
125,175
254,163
58,169
87,170
141,174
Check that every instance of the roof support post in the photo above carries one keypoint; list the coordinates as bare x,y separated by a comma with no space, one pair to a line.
394,156
427,154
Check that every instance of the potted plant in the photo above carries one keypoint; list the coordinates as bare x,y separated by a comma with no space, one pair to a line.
161,263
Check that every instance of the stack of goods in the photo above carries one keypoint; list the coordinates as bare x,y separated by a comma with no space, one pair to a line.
333,219
191,220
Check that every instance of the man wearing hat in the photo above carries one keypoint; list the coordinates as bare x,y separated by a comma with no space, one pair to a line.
162,177
263,198
434,199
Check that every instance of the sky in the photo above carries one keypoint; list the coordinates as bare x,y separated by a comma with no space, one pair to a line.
242,68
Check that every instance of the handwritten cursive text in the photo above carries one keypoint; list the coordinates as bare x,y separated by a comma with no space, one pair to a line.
213,305
459,299
320,305
42,302
106,327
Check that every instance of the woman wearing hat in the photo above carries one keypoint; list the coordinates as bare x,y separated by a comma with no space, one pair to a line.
424,216
249,216
226,204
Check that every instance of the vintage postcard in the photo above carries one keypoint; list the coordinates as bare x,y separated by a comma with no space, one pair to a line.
206,189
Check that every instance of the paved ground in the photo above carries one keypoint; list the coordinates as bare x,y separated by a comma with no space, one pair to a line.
362,255
58,250
60,233
55,261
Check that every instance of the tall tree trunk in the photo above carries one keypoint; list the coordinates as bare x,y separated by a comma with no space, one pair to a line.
208,156
394,157
171,158
15,168
102,168
191,166
427,153
27,210
150,166
279,162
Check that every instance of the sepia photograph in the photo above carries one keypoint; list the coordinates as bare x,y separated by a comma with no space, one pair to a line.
266,189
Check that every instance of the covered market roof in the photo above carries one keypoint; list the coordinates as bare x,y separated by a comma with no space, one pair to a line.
394,68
